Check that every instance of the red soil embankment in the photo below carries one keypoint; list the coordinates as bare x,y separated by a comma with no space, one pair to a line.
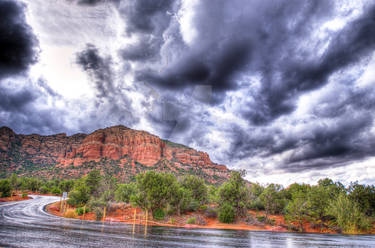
125,213
14,198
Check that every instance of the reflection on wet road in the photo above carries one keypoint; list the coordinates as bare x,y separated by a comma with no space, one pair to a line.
25,224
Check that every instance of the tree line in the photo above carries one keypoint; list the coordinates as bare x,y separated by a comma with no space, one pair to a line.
328,204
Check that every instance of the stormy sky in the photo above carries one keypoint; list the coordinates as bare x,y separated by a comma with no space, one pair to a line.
284,89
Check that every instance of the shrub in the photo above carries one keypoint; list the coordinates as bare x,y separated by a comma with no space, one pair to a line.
98,213
261,218
172,221
226,213
70,213
158,214
5,188
191,220
348,215
56,191
44,190
203,207
24,195
210,213
81,211
124,192
79,196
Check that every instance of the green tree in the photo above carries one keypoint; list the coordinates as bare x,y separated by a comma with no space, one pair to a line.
212,194
197,188
348,215
14,181
364,196
273,199
255,191
155,190
5,188
235,193
92,181
80,194
66,185
297,209
227,213
125,191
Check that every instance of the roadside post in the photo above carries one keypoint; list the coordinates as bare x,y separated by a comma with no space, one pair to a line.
146,222
135,217
64,196
105,208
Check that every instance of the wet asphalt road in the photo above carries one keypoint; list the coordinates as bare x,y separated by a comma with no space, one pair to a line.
25,224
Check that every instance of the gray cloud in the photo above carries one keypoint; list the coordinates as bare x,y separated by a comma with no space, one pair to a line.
18,44
251,63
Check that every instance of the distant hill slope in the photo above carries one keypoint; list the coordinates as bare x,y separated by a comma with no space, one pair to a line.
118,151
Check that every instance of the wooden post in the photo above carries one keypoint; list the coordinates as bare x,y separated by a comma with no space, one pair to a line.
146,222
105,208
84,211
135,217
61,204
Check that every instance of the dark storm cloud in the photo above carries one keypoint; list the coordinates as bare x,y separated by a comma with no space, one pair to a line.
146,16
99,69
22,109
18,45
216,68
115,104
13,101
18,51
147,20
338,134
92,2
349,46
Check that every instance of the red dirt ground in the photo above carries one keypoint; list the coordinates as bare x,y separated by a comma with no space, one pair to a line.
14,198
125,213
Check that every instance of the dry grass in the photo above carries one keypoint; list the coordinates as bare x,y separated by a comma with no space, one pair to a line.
70,213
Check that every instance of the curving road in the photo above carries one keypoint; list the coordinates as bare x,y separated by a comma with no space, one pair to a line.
25,224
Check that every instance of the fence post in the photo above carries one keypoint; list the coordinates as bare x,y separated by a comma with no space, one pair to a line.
105,208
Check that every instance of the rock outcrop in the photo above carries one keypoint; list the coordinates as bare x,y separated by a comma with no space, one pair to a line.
118,151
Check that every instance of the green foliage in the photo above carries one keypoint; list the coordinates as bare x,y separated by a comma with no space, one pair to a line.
5,188
56,191
261,218
24,195
212,194
158,214
210,213
66,185
273,199
14,181
98,213
80,194
197,188
44,189
348,215
226,213
82,210
255,191
124,192
155,190
191,220
298,209
32,184
235,193
364,196
92,181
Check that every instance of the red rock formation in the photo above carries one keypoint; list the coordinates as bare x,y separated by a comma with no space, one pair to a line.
117,149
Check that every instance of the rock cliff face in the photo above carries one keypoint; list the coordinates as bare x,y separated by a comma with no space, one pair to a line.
118,151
